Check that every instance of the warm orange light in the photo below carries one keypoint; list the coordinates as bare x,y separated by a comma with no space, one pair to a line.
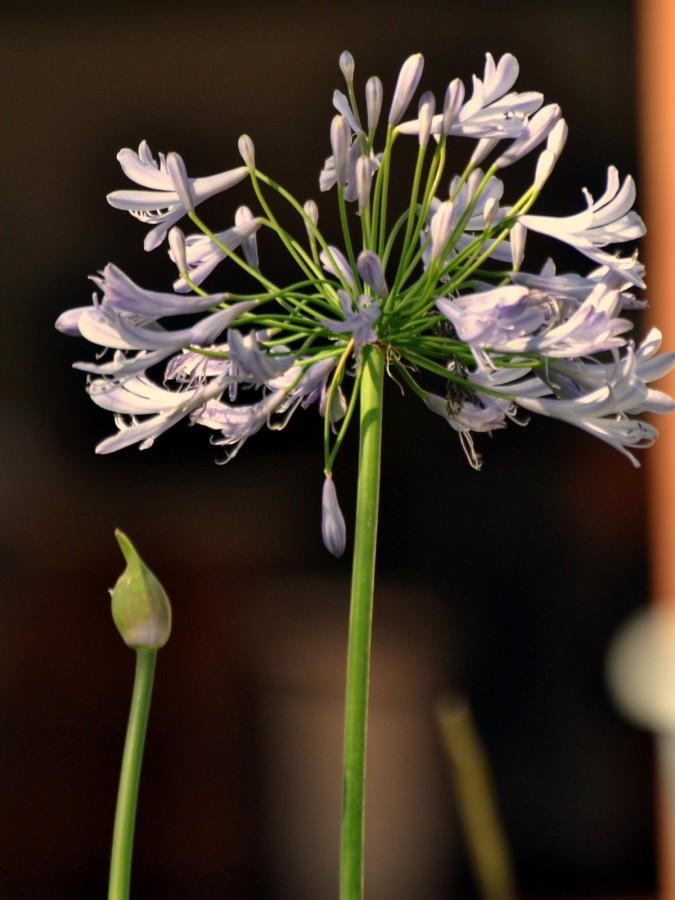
656,111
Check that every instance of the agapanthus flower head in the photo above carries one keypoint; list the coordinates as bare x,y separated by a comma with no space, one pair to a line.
429,274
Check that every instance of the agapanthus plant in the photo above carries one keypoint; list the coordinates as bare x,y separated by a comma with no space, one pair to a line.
430,291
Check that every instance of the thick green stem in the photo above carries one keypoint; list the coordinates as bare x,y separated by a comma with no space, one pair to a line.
360,622
127,796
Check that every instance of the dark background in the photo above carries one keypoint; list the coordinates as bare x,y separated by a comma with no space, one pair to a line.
505,585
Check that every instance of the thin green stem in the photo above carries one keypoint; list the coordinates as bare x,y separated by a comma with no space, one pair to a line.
335,381
360,624
127,796
345,227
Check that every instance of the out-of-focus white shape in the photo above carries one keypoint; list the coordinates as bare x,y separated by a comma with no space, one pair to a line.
641,670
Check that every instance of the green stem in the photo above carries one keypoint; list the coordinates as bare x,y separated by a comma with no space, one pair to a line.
360,622
127,796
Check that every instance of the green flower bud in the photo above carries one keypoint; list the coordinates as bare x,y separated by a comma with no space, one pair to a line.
140,607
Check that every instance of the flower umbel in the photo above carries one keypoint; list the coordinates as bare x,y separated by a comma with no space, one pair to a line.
436,286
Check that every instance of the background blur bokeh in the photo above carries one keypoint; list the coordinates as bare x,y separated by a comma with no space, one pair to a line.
506,585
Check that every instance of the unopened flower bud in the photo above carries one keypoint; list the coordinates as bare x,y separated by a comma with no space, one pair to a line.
176,240
312,211
545,165
490,210
518,235
427,108
336,264
247,150
408,79
441,227
481,150
175,166
454,97
370,269
364,180
333,528
557,137
140,607
340,133
374,94
347,66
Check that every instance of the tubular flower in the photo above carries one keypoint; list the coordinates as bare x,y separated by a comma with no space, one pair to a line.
170,194
609,220
437,285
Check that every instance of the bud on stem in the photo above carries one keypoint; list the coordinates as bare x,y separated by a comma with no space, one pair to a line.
140,607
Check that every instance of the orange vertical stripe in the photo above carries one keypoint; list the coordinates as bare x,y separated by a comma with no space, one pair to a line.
656,121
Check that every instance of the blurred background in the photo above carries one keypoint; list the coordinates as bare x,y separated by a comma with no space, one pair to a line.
505,586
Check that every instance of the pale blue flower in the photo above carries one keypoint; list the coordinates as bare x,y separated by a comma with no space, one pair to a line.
591,328
452,211
370,269
472,415
160,205
121,367
304,384
359,323
127,334
605,411
491,112
569,287
342,105
493,318
238,423
328,175
534,133
510,320
141,397
256,366
609,220
125,296
335,263
203,255
578,375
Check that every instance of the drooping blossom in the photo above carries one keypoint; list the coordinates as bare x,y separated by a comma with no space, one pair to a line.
608,220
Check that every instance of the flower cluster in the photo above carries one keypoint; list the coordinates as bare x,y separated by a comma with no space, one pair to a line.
437,287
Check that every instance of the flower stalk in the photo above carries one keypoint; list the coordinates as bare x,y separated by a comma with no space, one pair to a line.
360,626
130,776
142,614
